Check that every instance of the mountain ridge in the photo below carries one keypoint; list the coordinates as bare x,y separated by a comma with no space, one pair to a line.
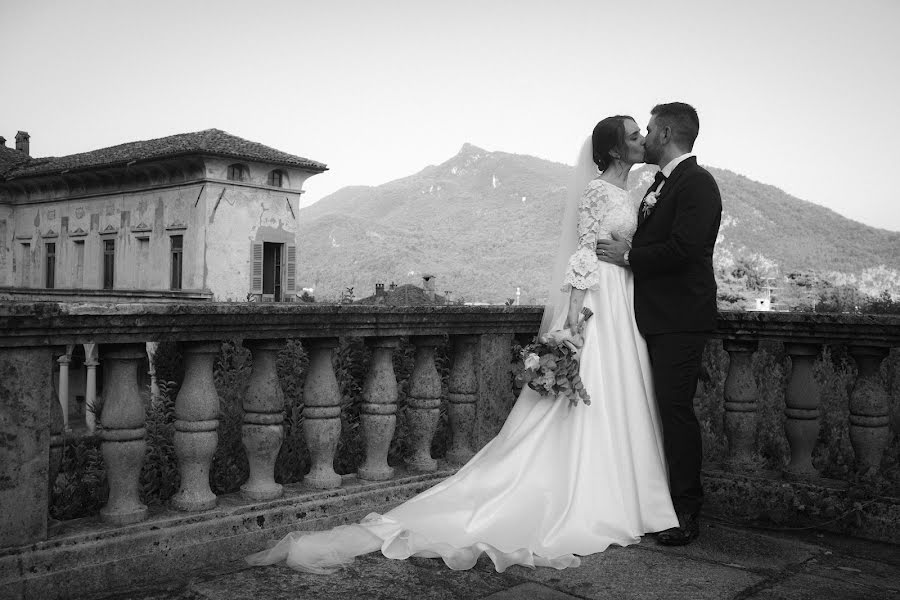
486,222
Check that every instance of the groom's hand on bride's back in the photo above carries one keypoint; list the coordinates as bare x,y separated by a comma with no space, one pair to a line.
613,250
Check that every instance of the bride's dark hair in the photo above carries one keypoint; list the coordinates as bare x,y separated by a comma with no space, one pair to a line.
608,134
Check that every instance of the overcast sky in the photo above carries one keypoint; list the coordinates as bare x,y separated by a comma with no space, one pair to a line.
803,95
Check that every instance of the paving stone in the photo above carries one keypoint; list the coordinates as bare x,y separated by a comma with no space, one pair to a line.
530,591
629,573
371,577
726,562
740,548
856,570
810,587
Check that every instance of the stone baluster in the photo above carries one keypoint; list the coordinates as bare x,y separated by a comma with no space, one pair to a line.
741,402
461,398
124,435
423,404
802,402
196,422
28,412
321,414
263,429
90,394
378,412
869,408
64,362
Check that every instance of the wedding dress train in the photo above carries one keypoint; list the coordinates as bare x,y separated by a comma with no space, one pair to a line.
559,480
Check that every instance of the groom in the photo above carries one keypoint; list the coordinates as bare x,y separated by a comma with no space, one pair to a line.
675,294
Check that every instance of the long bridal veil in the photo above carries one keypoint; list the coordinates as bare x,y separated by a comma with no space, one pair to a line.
557,300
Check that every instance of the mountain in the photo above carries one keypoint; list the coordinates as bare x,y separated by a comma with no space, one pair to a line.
485,223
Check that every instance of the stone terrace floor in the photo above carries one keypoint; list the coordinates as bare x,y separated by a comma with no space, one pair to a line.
728,561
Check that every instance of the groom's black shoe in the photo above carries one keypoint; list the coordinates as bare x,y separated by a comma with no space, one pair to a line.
687,531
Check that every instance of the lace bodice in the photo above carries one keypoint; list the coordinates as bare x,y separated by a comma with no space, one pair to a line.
604,209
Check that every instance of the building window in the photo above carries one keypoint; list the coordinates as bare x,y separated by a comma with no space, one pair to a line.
26,265
50,265
272,271
276,178
79,264
237,172
109,263
143,267
177,260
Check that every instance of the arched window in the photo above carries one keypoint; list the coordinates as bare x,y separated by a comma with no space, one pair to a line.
237,172
276,178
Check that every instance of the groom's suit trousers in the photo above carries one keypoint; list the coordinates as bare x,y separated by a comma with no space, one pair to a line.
675,359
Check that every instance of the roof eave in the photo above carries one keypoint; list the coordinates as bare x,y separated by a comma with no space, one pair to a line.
313,166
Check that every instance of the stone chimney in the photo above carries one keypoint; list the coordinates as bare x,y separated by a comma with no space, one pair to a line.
379,290
2,141
429,286
22,142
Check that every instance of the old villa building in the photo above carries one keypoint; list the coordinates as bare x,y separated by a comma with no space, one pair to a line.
203,215
193,216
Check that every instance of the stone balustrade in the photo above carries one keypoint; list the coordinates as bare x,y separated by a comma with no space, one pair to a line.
29,333
868,339
479,381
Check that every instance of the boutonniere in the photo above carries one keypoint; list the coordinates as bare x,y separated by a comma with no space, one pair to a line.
648,203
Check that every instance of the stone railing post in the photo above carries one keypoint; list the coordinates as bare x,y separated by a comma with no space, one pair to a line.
494,367
741,402
869,408
378,412
64,362
321,414
461,398
196,422
124,435
423,405
263,429
26,416
802,402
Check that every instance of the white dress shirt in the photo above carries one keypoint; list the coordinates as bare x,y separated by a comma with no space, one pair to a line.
670,166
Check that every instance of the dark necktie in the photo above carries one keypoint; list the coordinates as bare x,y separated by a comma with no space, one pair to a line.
658,180
644,211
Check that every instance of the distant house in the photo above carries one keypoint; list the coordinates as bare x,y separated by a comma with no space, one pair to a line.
189,217
405,295
203,215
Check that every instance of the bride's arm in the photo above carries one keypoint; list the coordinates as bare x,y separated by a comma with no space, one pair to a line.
576,303
581,273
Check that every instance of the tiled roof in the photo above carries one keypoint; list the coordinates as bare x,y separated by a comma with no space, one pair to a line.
209,142
403,295
9,158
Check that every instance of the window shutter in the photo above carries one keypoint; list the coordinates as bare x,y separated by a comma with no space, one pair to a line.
291,268
256,267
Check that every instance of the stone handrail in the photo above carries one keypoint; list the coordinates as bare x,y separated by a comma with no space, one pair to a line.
29,415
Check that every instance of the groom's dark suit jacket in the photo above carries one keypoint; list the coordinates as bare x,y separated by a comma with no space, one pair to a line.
671,254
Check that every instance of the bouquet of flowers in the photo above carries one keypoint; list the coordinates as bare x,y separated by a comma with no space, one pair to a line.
551,363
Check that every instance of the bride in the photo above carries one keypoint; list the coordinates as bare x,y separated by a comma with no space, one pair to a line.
559,480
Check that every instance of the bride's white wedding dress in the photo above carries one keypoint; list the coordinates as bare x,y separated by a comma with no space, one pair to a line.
558,480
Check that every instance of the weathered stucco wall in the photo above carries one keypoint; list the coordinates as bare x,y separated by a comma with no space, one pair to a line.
243,216
141,224
6,245
237,216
